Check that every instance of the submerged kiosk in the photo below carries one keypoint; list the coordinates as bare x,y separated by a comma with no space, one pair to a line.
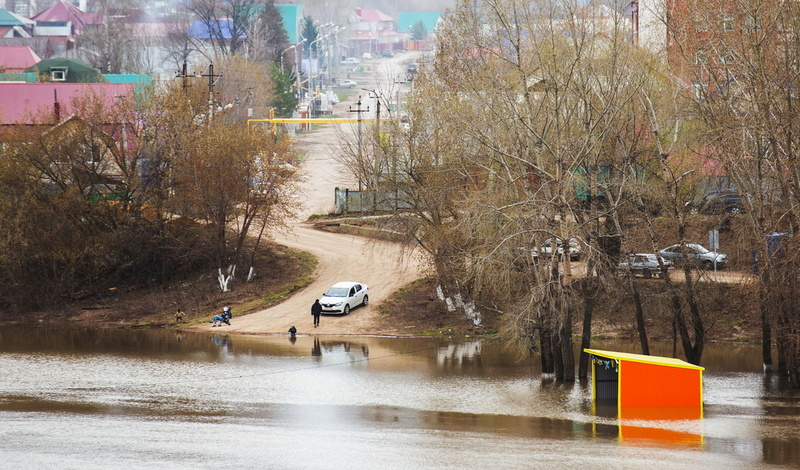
641,389
641,385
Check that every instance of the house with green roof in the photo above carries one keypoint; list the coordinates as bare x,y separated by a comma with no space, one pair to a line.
67,71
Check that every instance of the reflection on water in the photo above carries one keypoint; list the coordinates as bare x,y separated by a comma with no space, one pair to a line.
357,402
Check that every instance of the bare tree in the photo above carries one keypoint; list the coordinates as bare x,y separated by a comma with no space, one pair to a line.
741,60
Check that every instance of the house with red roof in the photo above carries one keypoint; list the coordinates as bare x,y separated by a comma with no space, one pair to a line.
62,23
372,31
15,59
65,11
52,114
49,103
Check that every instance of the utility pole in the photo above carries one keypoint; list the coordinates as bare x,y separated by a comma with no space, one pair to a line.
358,112
211,83
182,74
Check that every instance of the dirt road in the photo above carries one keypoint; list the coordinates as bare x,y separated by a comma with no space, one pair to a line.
380,265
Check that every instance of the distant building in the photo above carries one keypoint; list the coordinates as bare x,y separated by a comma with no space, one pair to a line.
291,15
13,25
50,103
15,59
372,31
67,71
430,20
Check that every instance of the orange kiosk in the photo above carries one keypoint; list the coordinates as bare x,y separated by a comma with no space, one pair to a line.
650,388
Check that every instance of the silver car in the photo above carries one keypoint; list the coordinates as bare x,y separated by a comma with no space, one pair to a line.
695,254
642,264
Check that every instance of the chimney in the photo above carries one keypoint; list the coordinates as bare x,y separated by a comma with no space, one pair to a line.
56,107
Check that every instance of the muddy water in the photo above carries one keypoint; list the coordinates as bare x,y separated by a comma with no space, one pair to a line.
83,399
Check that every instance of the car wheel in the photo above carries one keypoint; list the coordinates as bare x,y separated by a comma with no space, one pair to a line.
346,309
366,301
708,265
647,274
735,210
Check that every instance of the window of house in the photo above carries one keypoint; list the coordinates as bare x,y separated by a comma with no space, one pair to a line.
59,74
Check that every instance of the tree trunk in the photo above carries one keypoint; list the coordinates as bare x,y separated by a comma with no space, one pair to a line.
558,356
546,347
766,333
586,335
640,326
697,326
567,349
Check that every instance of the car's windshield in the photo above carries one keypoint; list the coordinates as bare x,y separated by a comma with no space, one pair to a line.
337,292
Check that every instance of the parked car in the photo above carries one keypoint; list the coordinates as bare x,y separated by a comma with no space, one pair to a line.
574,248
642,264
387,53
717,202
695,254
344,296
350,61
347,84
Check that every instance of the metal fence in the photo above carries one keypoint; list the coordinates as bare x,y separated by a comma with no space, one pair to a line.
369,201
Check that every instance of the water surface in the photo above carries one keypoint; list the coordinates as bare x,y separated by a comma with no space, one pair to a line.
102,398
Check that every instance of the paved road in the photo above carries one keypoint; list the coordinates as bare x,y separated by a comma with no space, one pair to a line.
383,266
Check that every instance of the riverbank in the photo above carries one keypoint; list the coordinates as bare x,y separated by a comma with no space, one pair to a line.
413,310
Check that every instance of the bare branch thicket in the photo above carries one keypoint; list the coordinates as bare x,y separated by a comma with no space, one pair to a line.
512,129
742,57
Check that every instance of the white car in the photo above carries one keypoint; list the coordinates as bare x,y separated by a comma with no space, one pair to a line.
347,84
350,61
344,296
574,248
695,254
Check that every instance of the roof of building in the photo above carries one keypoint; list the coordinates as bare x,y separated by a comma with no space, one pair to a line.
372,16
291,14
654,360
7,19
200,29
407,19
25,21
64,11
23,103
77,71
15,59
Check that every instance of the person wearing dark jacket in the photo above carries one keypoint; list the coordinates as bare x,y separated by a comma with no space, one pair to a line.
316,311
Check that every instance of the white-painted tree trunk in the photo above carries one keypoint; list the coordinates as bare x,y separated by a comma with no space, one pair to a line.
251,274
223,281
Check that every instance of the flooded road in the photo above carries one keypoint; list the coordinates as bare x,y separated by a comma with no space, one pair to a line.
83,398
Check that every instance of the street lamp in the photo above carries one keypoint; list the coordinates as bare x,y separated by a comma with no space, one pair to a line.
283,51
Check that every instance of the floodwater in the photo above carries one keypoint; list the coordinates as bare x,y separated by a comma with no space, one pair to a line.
168,399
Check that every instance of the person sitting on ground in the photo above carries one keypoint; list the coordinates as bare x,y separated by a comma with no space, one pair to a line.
218,319
226,315
292,331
